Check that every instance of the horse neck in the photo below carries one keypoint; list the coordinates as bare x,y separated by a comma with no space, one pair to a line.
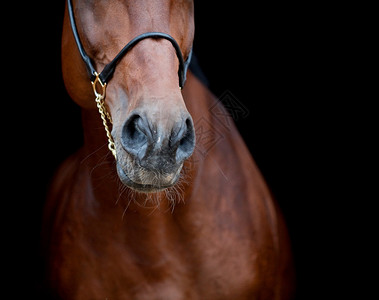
95,146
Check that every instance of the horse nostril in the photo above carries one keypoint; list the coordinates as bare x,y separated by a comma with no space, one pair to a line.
186,141
150,147
134,135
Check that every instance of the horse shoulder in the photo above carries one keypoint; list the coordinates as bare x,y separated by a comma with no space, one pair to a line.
60,190
241,234
61,218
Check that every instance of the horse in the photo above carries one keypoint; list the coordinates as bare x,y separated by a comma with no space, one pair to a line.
163,200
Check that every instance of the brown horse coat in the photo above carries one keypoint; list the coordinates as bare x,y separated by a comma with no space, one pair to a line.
216,234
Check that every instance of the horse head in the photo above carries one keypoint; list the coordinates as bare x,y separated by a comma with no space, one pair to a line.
152,131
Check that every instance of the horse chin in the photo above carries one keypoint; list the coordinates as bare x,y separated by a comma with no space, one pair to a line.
157,183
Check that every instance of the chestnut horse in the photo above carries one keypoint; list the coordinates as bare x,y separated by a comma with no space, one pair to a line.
161,218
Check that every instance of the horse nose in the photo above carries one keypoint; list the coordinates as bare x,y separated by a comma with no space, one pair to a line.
150,140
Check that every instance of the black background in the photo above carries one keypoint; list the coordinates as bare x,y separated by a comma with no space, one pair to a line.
282,62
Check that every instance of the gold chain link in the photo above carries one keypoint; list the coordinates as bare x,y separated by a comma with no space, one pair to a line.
105,116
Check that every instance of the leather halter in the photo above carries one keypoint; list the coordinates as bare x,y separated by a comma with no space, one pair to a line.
109,69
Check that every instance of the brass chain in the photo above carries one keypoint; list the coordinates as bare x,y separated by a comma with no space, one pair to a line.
105,116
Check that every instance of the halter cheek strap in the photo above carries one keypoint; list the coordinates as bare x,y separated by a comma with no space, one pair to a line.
109,69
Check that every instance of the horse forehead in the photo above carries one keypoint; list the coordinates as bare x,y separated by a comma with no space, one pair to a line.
107,24
135,12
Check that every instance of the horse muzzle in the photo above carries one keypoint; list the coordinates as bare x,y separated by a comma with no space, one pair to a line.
152,153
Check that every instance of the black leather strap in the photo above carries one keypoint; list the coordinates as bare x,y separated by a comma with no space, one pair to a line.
109,69
91,70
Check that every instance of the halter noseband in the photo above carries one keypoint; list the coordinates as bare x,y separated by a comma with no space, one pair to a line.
109,69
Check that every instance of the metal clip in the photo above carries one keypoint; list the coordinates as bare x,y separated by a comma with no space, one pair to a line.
95,85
